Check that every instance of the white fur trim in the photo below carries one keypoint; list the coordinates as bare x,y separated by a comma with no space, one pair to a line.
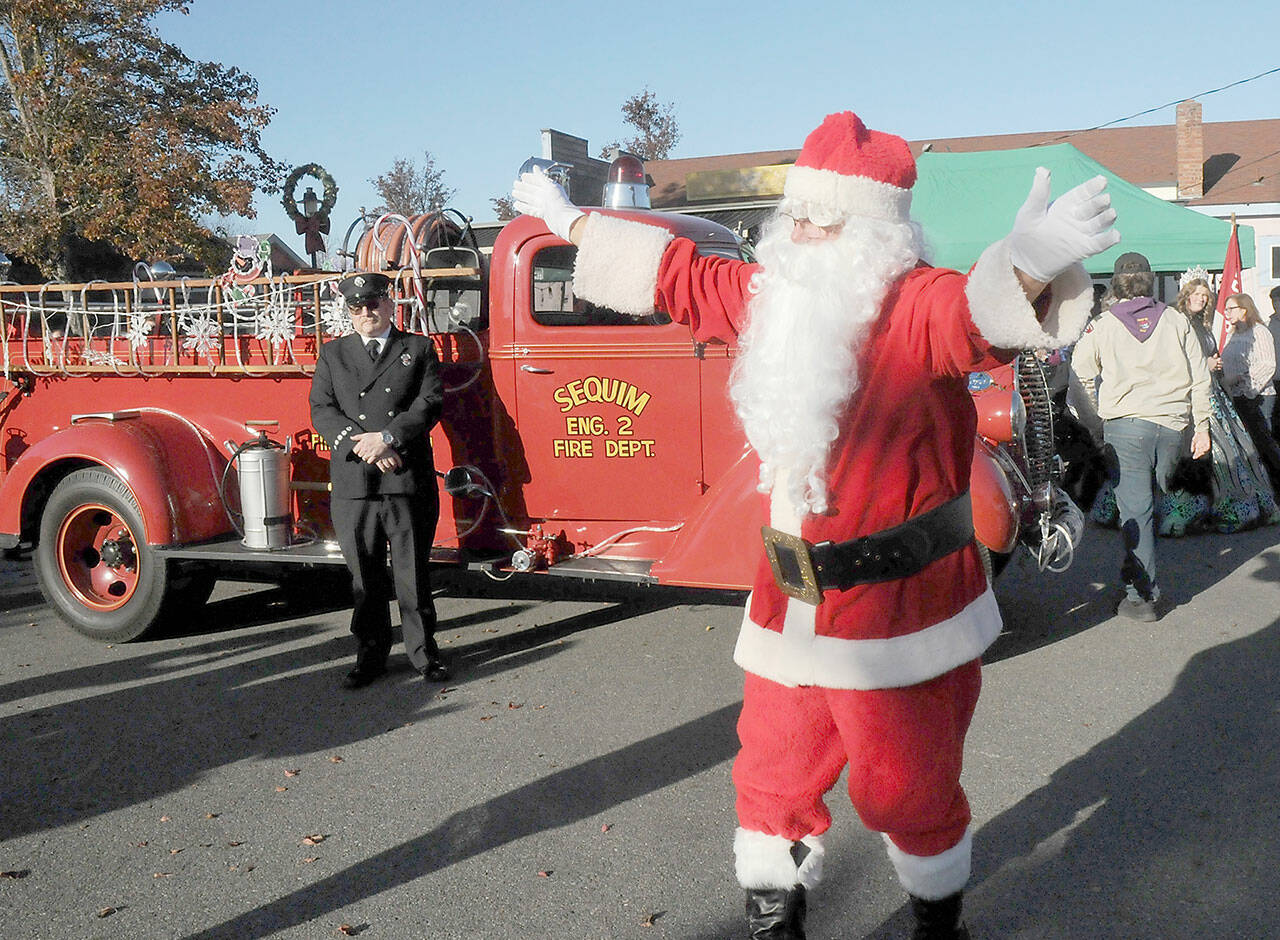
933,877
852,195
796,658
617,264
764,861
1003,316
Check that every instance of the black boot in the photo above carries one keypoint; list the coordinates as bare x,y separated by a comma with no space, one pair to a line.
776,913
939,920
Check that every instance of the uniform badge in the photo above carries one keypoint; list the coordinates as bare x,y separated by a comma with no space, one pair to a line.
406,359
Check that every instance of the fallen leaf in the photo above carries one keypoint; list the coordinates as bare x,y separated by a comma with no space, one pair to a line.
606,827
514,705
21,873
348,930
281,789
106,912
234,844
141,845
335,759
212,815
314,839
162,874
709,628
545,873
648,921
486,717
310,858
292,773
174,851
164,818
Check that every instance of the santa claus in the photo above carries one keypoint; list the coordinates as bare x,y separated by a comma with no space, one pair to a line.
870,607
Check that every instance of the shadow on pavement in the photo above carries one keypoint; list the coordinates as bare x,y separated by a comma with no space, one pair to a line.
556,800
172,713
1044,608
1165,830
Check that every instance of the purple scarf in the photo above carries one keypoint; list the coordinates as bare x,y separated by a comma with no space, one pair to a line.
1139,316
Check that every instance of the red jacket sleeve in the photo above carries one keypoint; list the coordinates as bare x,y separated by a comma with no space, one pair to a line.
708,293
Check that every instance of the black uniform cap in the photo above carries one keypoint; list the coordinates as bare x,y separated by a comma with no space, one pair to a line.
359,289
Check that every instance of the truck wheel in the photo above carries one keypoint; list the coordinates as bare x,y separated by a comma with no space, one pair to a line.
93,561
993,562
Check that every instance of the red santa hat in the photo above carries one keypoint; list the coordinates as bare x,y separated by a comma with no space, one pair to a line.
848,170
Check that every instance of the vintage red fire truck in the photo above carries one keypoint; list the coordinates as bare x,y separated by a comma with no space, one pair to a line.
156,434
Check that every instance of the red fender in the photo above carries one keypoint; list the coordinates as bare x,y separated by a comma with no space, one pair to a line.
168,465
713,549
995,508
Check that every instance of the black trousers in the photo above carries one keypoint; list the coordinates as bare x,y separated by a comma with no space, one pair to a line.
1250,411
365,528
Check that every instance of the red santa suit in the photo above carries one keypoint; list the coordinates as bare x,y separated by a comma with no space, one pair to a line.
882,676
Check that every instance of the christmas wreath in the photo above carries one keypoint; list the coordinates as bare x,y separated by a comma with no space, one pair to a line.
327,201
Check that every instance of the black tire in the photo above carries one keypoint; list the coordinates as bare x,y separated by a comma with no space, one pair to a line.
993,562
93,562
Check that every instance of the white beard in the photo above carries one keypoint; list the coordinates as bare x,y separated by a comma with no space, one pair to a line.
797,366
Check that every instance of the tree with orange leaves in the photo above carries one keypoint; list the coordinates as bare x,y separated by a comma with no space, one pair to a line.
109,134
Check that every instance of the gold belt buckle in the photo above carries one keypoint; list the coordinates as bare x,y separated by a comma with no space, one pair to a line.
792,565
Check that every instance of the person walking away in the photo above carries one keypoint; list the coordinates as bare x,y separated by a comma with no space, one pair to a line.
1154,392
375,396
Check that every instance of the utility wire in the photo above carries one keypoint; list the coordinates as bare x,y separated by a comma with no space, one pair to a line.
1203,94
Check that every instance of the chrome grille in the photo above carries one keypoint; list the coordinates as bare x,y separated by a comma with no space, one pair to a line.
1033,386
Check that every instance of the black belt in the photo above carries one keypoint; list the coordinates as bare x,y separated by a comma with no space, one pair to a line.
804,571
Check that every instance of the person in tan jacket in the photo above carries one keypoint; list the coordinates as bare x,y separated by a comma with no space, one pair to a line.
1154,393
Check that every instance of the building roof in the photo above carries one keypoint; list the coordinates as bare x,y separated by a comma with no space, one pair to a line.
1241,165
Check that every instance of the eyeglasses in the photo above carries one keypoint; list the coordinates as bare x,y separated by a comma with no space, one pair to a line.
366,305
806,224
1233,308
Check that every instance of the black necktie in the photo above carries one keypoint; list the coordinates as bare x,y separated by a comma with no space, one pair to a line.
373,349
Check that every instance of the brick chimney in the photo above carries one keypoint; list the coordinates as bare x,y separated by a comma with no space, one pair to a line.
1190,138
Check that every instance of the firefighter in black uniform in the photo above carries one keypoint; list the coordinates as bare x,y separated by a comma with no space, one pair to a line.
375,396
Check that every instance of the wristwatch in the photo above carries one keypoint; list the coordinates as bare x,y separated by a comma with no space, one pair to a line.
389,439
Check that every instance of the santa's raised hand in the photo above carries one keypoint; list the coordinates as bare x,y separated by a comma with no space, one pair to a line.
1049,237
537,194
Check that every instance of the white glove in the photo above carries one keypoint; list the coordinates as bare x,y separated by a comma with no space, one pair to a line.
537,194
1049,237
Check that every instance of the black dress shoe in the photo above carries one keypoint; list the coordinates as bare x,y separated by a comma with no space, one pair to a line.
435,671
362,675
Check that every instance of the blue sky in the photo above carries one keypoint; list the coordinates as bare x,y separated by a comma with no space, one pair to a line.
474,83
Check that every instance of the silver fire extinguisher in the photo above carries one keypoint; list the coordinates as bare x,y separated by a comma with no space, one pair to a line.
265,505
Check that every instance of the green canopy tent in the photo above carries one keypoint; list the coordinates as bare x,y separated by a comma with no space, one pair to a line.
966,201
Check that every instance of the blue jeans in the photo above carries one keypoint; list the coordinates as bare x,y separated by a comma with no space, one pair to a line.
1142,455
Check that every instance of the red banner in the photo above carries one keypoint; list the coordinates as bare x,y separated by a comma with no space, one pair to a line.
1229,285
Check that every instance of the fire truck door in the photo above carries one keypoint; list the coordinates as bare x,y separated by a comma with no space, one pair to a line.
607,405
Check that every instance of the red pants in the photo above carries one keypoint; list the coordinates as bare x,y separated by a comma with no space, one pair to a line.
904,748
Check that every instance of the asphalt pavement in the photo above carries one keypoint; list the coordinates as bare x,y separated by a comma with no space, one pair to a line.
572,781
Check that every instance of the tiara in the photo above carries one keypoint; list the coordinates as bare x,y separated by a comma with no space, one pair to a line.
1191,274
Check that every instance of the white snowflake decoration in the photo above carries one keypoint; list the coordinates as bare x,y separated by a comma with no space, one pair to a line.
96,357
335,319
275,325
201,334
140,326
